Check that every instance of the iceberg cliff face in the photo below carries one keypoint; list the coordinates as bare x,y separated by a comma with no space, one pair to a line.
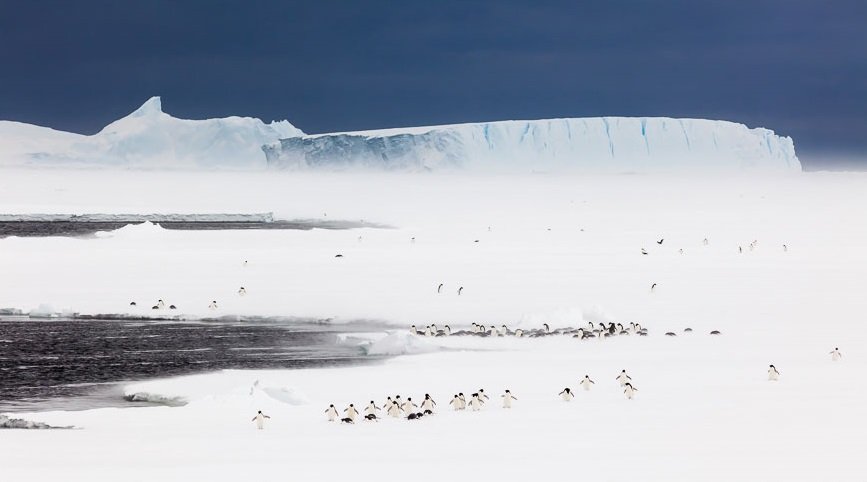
146,138
619,144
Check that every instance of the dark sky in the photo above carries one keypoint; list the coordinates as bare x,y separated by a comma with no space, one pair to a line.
798,67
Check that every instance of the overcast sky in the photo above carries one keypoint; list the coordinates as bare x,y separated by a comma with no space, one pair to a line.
798,67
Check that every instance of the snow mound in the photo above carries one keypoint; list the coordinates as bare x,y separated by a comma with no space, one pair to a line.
145,230
147,138
603,144
398,344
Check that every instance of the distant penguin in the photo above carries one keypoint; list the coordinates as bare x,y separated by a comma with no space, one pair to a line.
476,403
547,328
371,408
482,394
680,250
132,303
586,383
741,249
643,251
507,399
836,355
715,332
351,412
155,307
414,331
623,378
567,395
660,241
428,331
705,242
463,401
785,248
348,420
459,290
687,330
447,330
213,305
412,240
245,263
440,288
387,404
652,287
371,417
331,413
161,304
629,391
242,291
412,416
428,403
260,420
773,374
670,333
393,410
173,307
519,333
455,403
408,406
338,255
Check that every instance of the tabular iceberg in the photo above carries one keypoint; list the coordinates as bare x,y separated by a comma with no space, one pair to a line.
616,144
147,138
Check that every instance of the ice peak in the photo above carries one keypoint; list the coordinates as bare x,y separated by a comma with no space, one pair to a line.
151,107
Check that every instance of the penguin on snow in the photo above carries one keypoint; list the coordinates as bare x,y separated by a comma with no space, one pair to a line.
331,413
260,420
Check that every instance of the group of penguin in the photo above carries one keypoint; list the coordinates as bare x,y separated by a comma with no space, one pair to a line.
593,330
161,305
396,407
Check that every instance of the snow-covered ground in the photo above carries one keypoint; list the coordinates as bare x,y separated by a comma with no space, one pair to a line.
563,249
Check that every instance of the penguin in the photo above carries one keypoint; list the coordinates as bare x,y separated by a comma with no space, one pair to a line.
459,290
455,403
644,251
338,255
652,287
741,249
260,420
715,332
242,291
507,399
412,240
629,391
173,307
567,395
623,378
476,402
836,355
348,420
412,416
705,242
371,409
387,404
463,401
680,250
351,412
586,382
427,331
476,241
428,412
161,304
245,263
547,328
687,330
482,394
670,333
494,331
519,333
440,288
213,305
773,374
660,241
785,249
155,307
132,303
331,412
408,406
428,403
371,416
394,410
447,330
414,331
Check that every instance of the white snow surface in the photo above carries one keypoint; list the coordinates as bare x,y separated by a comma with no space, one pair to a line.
561,249
595,144
147,138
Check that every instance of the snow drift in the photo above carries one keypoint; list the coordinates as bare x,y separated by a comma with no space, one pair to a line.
146,138
586,144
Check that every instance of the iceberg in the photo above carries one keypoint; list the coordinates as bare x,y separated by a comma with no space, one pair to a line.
147,138
619,144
